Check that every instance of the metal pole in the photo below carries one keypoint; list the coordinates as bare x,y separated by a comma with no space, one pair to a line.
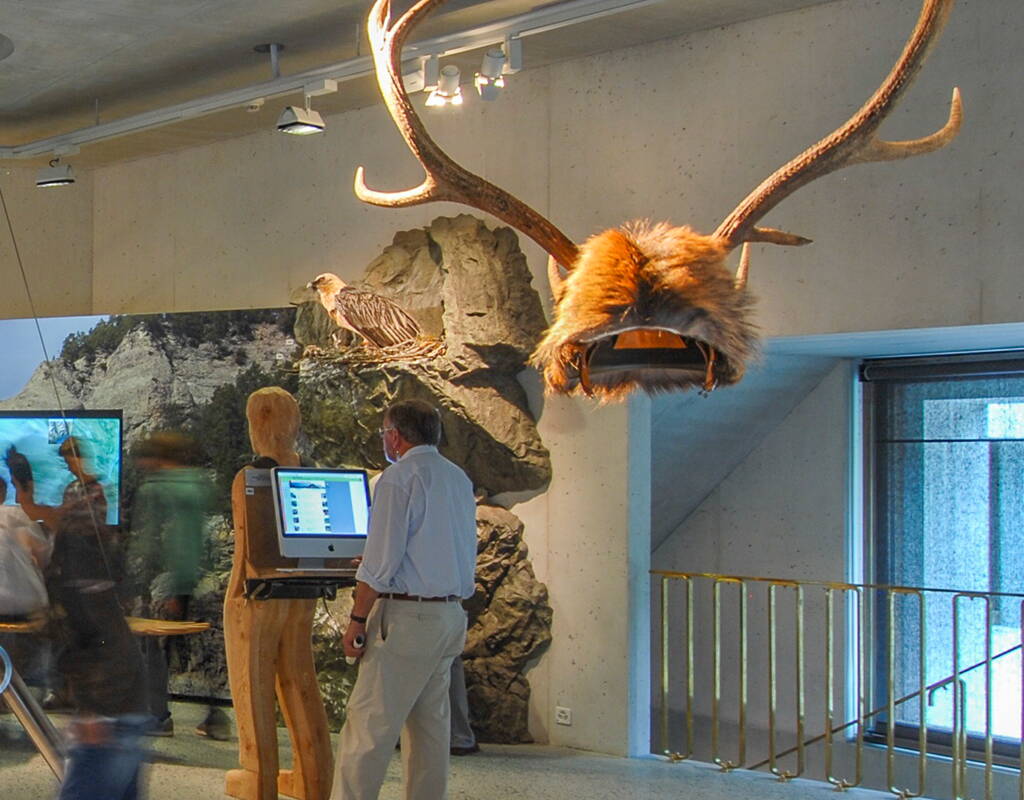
33,719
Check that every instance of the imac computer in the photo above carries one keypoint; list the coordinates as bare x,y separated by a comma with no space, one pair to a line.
321,513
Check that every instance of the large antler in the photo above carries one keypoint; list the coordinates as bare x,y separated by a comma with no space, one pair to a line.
445,180
853,143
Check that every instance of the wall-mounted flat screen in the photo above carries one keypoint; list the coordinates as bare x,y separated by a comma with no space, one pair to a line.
34,438
321,513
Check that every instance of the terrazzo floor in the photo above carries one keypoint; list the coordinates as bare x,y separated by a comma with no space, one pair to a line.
187,766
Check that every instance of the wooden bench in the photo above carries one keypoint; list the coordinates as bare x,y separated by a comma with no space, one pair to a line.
140,626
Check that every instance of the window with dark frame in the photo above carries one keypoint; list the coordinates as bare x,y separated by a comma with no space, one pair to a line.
945,497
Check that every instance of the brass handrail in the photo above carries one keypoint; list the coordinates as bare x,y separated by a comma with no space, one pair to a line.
931,687
834,584
857,606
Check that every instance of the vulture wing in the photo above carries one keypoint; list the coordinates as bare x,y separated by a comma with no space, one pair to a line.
375,317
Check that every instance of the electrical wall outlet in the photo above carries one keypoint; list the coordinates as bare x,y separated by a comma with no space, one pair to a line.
563,715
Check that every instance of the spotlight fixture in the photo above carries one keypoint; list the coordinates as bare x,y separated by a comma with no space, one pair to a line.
448,91
300,121
490,78
304,121
57,174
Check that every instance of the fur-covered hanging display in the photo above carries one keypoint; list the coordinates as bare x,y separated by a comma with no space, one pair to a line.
650,307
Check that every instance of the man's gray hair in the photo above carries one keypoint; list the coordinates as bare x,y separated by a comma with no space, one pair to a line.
416,421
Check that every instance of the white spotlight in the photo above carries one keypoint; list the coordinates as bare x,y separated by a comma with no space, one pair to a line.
57,174
448,91
300,121
490,78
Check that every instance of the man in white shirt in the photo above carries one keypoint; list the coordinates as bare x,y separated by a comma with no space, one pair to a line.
417,567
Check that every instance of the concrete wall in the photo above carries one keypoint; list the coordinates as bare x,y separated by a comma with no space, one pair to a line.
679,129
782,511
53,233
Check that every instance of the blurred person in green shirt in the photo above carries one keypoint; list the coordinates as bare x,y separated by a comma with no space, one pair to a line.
167,548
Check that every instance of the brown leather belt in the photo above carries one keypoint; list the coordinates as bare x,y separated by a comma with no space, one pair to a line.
448,599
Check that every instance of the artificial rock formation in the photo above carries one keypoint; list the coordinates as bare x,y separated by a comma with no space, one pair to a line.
509,628
470,290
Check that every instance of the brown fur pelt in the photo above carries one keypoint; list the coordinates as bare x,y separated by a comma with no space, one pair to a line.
647,276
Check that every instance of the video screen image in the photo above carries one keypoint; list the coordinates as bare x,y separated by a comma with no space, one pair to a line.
323,503
37,436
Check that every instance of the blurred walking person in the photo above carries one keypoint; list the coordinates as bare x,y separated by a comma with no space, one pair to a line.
98,655
165,555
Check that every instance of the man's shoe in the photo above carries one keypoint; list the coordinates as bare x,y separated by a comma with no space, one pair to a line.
163,727
465,751
216,726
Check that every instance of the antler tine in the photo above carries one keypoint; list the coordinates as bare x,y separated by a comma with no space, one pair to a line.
854,142
445,179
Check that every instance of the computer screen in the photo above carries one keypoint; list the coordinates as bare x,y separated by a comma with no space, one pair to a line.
321,513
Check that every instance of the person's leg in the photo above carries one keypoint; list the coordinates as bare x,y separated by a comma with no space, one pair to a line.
108,767
463,738
425,740
427,733
155,664
403,649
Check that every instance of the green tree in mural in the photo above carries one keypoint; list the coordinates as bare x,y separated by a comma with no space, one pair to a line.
225,435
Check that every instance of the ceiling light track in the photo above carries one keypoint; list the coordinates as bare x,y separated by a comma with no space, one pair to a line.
540,20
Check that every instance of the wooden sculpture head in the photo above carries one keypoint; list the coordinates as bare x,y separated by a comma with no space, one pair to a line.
274,418
650,307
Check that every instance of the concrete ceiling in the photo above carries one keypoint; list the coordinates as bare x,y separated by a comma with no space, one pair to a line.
77,64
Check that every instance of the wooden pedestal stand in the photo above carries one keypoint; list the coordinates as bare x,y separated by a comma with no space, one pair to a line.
269,642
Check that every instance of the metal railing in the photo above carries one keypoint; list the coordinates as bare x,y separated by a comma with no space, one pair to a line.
23,705
898,646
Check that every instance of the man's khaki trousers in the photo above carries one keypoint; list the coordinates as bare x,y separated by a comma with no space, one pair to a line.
402,688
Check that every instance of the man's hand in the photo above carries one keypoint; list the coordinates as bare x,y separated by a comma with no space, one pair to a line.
348,642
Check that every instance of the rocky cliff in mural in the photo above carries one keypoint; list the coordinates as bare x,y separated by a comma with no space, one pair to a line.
469,289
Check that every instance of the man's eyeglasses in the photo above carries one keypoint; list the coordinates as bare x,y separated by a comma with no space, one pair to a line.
382,431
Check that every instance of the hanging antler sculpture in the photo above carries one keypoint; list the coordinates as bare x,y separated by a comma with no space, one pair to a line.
649,306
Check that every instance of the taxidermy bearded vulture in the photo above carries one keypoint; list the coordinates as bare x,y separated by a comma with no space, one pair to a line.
376,319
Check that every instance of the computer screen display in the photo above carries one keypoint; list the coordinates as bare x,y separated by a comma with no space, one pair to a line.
321,512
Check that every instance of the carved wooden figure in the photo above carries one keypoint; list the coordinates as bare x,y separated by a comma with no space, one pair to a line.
268,642
650,307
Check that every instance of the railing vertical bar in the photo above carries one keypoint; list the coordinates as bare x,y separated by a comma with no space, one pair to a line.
922,698
862,676
665,748
890,703
801,706
716,674
1020,754
772,686
689,668
956,740
829,684
988,697
743,675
